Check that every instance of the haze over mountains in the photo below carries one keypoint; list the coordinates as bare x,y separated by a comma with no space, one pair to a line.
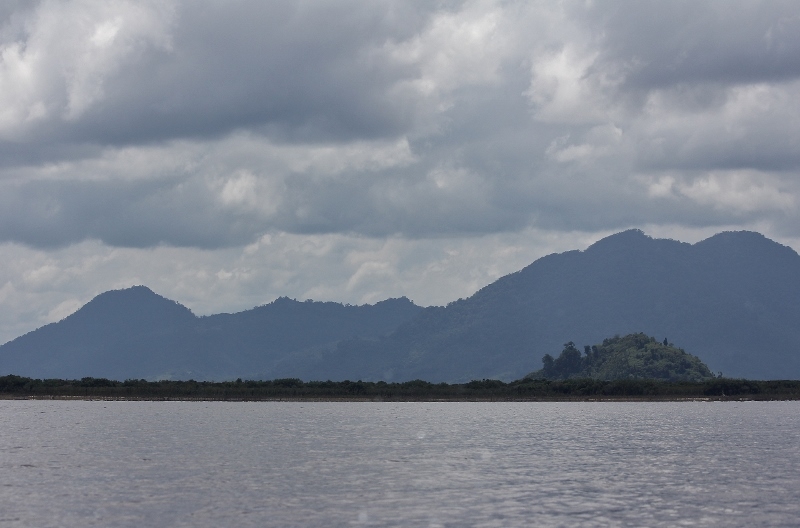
733,300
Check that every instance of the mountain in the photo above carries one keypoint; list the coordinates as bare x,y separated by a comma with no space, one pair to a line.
733,300
135,333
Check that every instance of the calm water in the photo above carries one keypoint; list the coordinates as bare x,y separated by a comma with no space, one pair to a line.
398,464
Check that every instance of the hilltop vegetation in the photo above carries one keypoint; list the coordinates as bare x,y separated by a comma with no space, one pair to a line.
634,356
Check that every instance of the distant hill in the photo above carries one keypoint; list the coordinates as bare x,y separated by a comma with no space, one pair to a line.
137,334
634,356
733,300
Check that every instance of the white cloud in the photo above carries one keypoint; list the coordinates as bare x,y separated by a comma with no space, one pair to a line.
743,191
563,91
57,66
601,141
457,48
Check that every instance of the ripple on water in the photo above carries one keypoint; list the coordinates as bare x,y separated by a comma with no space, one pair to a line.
202,464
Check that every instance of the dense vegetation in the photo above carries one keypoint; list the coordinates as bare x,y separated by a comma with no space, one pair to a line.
634,356
483,390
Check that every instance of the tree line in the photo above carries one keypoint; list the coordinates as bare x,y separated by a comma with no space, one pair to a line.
576,389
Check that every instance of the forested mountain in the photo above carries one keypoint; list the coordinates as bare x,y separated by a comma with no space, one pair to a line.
733,300
135,333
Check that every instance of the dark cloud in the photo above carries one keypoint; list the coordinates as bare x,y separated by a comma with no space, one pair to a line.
128,214
675,43
208,124
300,71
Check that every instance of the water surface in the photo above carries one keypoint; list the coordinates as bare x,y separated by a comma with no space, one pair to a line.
95,463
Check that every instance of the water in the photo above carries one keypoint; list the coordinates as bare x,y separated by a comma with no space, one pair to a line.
200,464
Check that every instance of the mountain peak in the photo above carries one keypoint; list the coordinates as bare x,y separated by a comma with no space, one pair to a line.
621,240
744,240
137,302
624,236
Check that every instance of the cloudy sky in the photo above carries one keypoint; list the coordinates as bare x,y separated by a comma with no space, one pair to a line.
228,153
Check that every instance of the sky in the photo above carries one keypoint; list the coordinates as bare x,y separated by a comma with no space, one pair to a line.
228,153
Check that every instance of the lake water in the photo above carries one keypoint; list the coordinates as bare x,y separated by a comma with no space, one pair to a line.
203,464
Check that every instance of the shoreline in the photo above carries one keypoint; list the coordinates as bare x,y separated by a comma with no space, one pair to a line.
609,399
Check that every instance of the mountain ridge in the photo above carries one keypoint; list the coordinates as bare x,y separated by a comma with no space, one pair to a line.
732,299
625,283
136,333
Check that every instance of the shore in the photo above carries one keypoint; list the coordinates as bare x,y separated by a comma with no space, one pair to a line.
379,400
532,390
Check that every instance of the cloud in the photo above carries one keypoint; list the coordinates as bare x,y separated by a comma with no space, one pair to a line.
60,56
377,118
719,43
750,126
136,72
365,130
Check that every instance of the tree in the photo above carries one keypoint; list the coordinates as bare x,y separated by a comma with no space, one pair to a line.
569,362
547,364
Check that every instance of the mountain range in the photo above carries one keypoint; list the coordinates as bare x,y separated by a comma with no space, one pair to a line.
136,334
733,300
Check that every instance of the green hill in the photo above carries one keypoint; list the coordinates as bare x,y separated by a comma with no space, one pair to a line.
634,356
